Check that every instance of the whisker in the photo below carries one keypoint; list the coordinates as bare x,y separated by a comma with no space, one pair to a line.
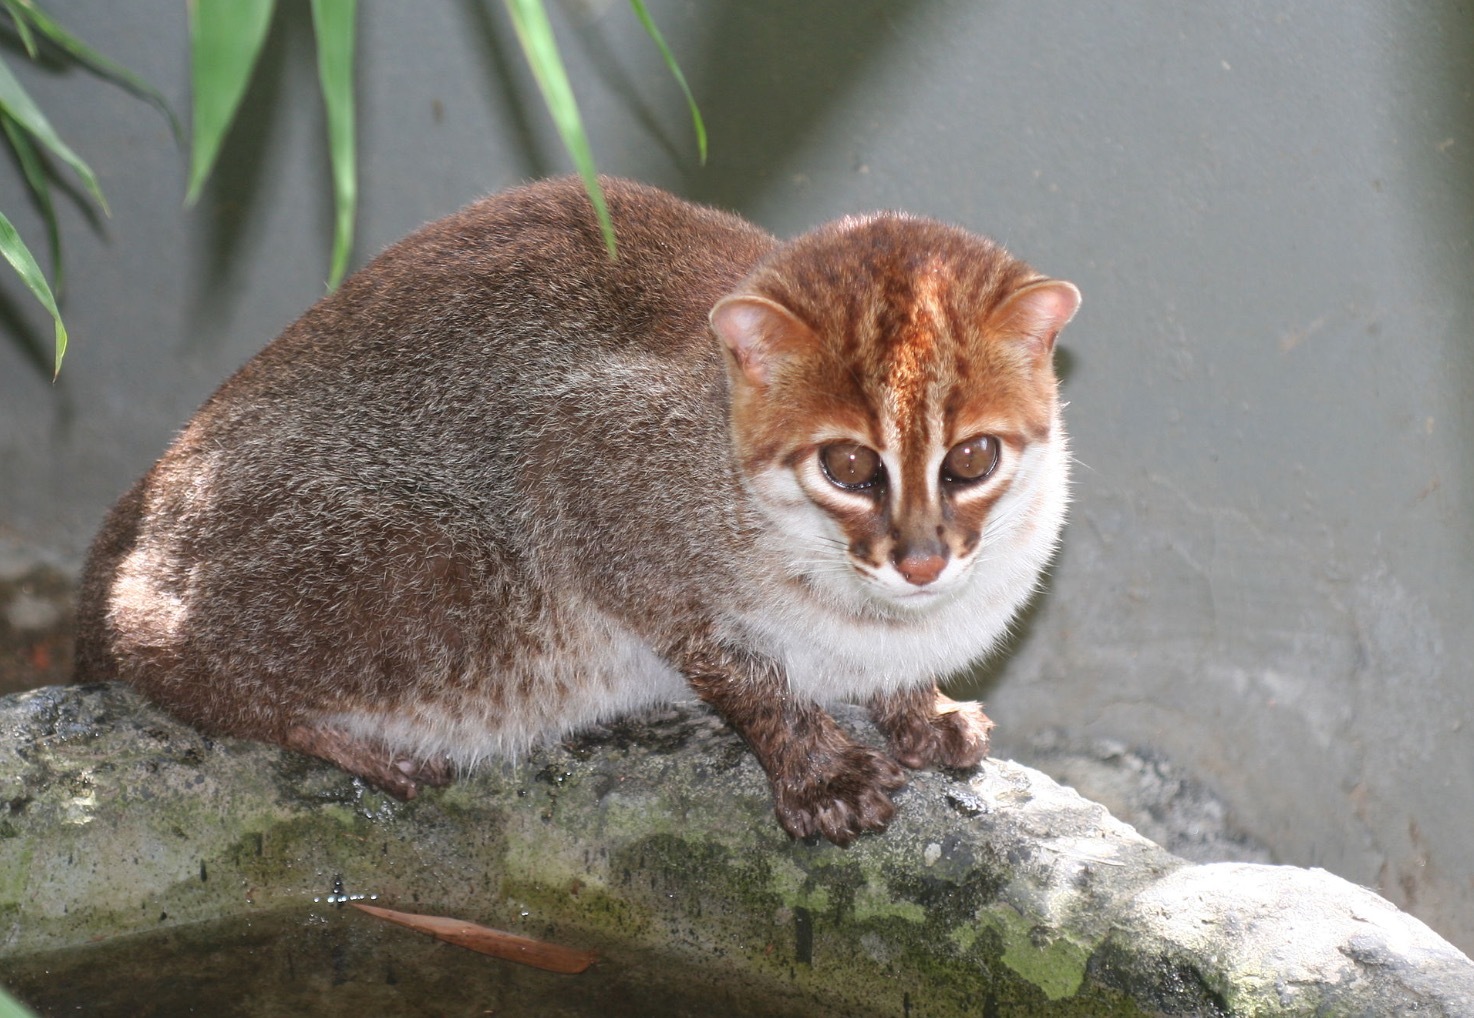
1004,520
827,541
821,566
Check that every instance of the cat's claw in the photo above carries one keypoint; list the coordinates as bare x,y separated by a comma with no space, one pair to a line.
851,797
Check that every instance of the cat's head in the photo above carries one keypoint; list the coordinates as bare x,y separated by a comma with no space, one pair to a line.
895,408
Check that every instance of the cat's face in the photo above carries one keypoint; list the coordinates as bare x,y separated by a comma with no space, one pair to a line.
895,408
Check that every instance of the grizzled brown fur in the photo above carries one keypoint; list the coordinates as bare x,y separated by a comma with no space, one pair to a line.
499,486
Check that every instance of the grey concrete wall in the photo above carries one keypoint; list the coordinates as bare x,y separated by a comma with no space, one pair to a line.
1268,207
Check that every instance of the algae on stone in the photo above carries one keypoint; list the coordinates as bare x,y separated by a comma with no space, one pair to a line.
654,841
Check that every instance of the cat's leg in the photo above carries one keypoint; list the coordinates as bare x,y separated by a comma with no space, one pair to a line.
925,727
398,774
824,783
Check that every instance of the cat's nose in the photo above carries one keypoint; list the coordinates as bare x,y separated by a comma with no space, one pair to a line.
921,567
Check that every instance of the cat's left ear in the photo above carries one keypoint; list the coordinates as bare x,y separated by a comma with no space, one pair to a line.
759,333
1036,313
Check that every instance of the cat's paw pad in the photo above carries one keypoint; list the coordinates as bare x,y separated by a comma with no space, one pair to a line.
957,737
851,797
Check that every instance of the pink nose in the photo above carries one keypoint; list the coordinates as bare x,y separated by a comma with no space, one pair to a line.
921,569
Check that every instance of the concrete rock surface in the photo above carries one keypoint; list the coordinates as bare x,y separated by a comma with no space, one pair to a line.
652,842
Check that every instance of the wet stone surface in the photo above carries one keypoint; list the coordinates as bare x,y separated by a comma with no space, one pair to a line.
651,842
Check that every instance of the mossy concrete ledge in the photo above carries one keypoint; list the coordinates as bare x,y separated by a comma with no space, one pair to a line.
994,892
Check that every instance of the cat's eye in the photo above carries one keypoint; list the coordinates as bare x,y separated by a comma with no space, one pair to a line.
971,460
851,466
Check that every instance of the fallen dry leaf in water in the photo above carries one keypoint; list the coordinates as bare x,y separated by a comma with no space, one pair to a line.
497,943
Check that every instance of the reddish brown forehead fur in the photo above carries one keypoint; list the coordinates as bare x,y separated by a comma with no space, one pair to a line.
900,307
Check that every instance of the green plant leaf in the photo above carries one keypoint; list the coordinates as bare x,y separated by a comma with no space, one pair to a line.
675,70
16,103
535,34
12,1008
40,182
27,11
17,9
225,38
333,24
15,251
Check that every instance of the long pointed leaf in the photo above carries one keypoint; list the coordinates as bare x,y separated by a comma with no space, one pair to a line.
497,943
333,24
675,70
17,9
16,102
36,176
19,256
225,38
12,1008
26,10
535,34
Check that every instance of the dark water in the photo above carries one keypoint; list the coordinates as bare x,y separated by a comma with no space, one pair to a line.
346,963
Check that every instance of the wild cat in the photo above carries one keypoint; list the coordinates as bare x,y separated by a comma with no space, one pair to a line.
499,487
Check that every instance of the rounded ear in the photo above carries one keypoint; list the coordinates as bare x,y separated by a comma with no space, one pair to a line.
1036,313
759,333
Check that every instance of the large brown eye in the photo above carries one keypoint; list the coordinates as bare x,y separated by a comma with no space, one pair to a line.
971,460
851,466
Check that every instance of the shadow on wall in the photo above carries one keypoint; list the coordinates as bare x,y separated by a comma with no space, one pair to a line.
1439,99
793,62
231,204
36,608
812,54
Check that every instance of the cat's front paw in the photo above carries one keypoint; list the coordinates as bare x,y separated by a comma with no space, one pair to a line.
952,735
847,798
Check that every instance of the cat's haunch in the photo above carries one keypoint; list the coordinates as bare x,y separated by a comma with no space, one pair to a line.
499,487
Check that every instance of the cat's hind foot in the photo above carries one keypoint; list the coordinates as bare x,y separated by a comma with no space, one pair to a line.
401,776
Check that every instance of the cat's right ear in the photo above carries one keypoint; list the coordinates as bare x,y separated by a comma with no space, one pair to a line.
1036,314
759,333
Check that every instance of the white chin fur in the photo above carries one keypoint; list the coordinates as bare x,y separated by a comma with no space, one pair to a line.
864,634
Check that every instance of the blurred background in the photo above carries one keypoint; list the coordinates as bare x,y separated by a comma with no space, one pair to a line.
1265,599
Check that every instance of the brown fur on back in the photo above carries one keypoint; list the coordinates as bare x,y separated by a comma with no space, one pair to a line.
342,510
499,486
